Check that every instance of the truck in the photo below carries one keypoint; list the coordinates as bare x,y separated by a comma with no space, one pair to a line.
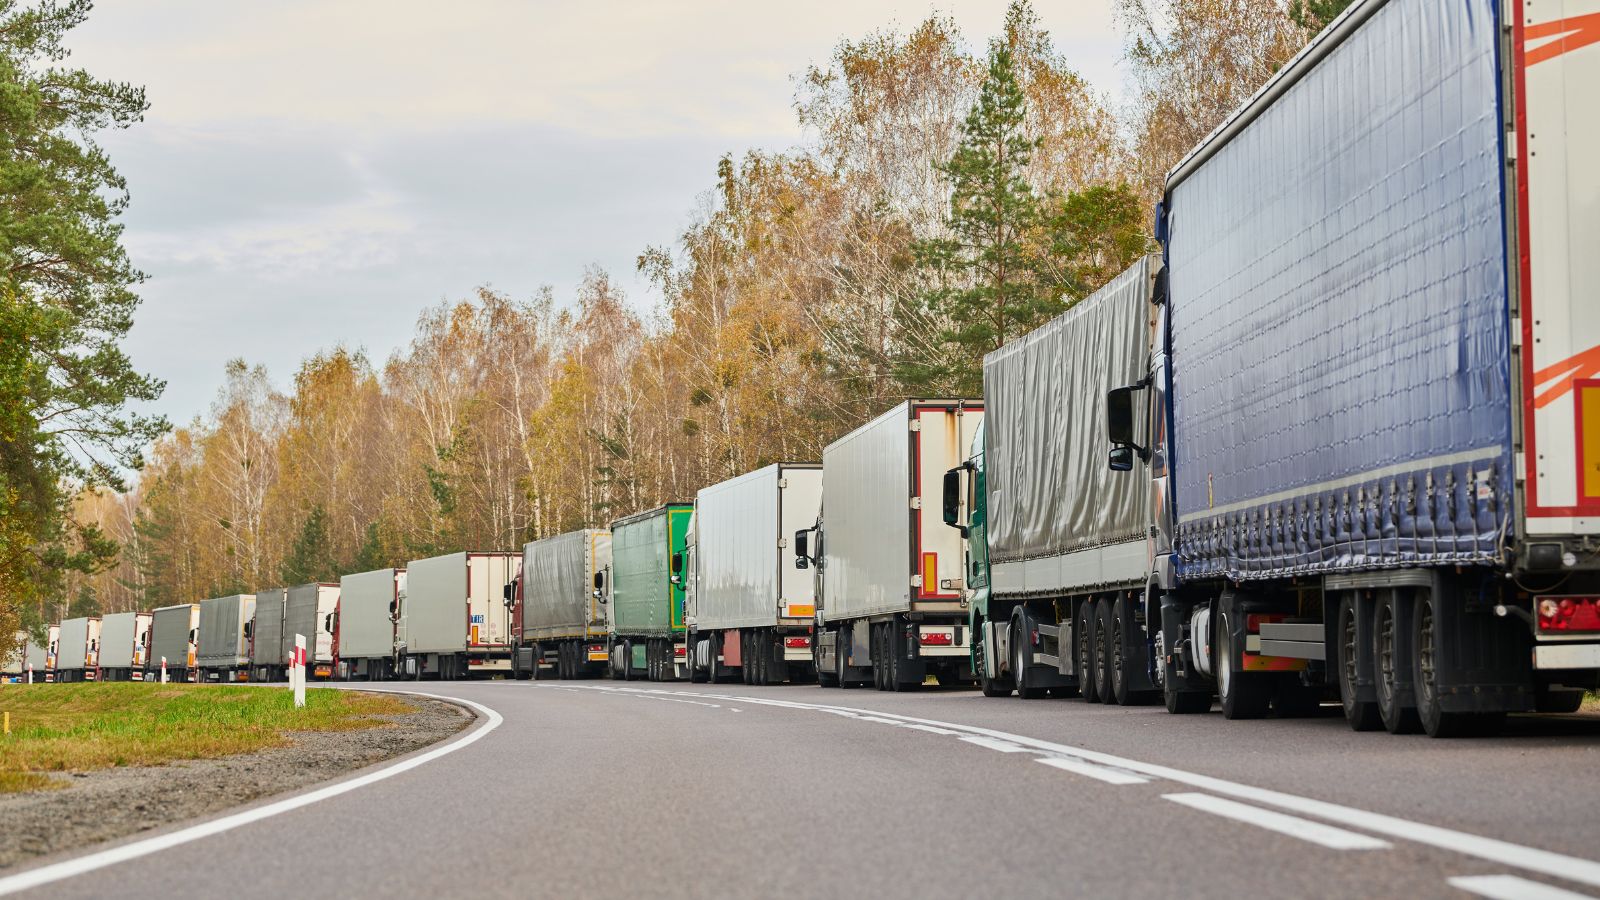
268,662
13,668
455,618
891,601
647,632
223,650
312,611
77,654
124,646
558,619
1369,428
369,606
747,609
173,634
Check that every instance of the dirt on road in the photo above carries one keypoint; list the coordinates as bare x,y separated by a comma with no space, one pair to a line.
111,803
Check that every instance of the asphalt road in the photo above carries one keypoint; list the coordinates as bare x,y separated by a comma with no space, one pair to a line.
606,789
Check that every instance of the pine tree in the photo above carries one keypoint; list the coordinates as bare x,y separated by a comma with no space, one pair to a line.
989,281
311,557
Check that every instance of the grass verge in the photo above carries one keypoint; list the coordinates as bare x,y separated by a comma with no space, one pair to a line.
81,727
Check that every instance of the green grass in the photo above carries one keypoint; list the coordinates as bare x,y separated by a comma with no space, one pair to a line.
81,727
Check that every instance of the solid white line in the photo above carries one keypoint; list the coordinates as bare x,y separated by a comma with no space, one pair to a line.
1510,887
68,868
1304,829
992,744
1109,776
1533,859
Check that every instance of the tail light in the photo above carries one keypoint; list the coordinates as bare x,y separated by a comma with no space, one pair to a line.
936,639
1569,614
796,643
680,651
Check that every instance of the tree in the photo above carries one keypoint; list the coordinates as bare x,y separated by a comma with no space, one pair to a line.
311,557
989,284
66,301
1313,15
85,604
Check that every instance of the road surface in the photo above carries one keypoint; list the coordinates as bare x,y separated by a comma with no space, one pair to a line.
609,789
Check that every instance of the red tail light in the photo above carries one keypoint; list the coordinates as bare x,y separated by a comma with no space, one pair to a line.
936,639
1569,614
796,643
680,651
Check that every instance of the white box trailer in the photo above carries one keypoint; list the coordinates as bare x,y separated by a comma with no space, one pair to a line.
173,631
224,647
369,605
749,610
456,618
892,605
78,651
13,667
124,646
268,662
557,618
312,610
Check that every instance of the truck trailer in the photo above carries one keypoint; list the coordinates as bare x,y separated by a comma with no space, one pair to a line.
13,667
455,618
36,662
1368,433
312,611
77,654
223,651
647,634
268,662
369,605
892,607
173,633
748,610
557,617
1051,531
124,646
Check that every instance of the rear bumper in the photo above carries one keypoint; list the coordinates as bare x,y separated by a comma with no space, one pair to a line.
1566,656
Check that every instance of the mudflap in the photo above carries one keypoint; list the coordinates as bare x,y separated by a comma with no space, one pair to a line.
1484,663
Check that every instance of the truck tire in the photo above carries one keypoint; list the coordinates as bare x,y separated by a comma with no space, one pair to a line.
1430,647
1244,695
1000,685
625,671
1388,663
1102,650
1019,659
1088,683
1361,714
1122,657
824,679
841,664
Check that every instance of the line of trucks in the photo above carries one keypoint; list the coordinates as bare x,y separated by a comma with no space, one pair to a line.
1337,439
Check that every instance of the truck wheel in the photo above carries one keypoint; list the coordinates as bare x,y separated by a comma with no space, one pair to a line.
1244,695
626,669
841,665
1000,685
1121,659
1101,649
1088,682
1388,637
1428,658
1361,714
1019,659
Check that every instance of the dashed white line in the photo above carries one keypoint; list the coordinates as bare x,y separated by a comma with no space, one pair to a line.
1104,773
992,744
1304,829
1510,887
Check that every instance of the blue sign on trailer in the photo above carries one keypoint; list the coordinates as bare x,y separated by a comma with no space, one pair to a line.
1339,331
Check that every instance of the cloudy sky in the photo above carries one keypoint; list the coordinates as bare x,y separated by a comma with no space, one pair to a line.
315,172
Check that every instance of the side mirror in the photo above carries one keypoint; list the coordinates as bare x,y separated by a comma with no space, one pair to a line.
802,547
952,498
249,629
327,623
1121,458
600,581
800,562
677,563
1119,415
505,593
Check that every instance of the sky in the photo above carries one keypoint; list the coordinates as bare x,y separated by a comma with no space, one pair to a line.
317,172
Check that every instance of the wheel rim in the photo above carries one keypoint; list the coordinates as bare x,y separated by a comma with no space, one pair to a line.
1347,668
1224,659
1425,655
1386,654
1101,668
1083,647
1116,652
1018,662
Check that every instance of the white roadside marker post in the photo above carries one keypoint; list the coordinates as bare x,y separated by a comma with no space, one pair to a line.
163,670
30,673
299,680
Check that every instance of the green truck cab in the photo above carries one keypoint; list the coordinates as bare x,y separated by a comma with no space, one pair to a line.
647,633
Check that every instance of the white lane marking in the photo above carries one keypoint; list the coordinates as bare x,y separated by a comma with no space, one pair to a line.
33,878
928,728
1532,859
1510,887
992,744
1109,776
1304,829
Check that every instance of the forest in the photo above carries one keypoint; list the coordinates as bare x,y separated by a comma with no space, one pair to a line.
948,195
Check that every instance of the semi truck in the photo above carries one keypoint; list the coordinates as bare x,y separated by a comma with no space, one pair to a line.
312,610
369,606
14,667
892,605
747,609
38,661
647,634
173,633
223,650
268,662
77,654
558,618
455,618
1056,553
1366,434
124,646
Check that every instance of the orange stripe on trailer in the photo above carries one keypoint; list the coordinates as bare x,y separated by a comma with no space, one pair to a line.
1588,439
1255,662
797,610
930,573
